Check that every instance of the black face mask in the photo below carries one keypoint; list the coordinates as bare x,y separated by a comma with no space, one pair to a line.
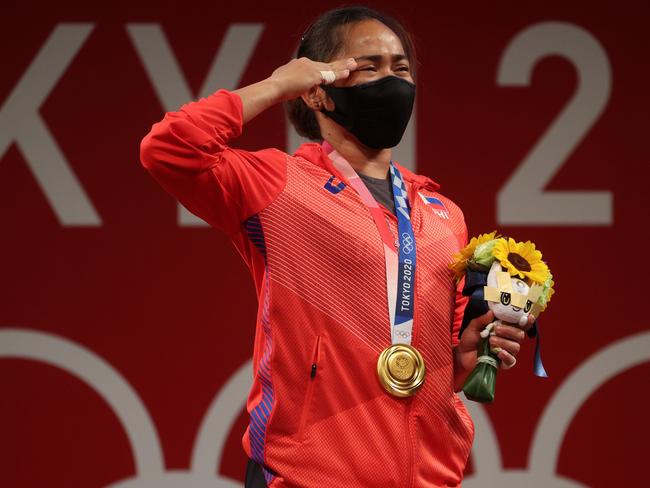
376,112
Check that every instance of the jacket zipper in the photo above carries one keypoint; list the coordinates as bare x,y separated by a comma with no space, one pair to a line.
310,389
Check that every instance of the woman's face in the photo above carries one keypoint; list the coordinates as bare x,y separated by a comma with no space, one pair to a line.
378,52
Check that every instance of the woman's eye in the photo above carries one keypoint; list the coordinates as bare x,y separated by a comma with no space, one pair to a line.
403,68
367,68
505,298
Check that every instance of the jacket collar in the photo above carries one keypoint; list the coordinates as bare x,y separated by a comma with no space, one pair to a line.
315,153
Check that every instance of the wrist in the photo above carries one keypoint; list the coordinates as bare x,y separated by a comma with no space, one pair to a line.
275,90
258,97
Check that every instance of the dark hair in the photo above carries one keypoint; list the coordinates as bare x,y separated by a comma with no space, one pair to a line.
322,40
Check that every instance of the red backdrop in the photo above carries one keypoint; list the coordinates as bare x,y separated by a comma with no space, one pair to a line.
111,307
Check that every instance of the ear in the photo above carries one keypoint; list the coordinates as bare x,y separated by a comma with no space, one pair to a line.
316,99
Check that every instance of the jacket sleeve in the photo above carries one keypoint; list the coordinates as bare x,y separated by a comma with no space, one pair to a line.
188,153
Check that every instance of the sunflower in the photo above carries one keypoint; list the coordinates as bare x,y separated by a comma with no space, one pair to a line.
521,259
461,259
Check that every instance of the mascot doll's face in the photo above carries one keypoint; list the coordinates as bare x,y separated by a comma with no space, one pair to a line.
508,296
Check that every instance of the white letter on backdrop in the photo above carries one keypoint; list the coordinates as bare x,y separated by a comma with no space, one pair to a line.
20,122
171,87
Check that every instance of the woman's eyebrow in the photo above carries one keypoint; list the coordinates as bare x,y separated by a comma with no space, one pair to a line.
378,57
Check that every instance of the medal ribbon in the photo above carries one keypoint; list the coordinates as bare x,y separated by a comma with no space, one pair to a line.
399,255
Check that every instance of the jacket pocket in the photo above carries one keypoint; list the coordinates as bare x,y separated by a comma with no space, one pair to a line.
312,378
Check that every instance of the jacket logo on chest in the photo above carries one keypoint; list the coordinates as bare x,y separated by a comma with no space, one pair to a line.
332,187
436,206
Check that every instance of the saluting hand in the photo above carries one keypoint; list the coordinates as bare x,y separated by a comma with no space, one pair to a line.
289,81
300,75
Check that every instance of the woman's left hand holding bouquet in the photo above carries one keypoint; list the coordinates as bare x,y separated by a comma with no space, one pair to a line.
504,336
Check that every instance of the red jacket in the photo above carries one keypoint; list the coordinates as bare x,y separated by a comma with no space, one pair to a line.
318,414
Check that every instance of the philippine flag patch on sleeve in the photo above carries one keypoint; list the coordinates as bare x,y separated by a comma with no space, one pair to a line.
436,206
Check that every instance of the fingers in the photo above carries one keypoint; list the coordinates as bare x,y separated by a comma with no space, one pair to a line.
479,323
507,360
498,344
506,343
510,332
348,64
336,70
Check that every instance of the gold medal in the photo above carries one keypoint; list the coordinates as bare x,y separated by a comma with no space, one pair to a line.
401,370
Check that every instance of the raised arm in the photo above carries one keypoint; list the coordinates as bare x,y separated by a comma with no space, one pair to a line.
188,151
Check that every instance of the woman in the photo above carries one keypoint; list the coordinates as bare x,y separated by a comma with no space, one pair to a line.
357,356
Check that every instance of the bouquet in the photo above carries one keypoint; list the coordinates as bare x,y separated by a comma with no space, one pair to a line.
509,278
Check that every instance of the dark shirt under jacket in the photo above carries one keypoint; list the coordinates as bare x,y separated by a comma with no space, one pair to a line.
381,189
